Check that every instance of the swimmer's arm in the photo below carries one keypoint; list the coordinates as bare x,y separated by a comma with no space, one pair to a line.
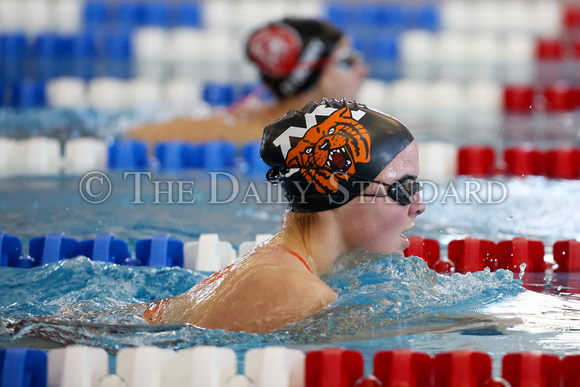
270,300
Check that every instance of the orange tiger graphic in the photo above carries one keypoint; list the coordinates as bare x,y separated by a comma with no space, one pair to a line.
337,145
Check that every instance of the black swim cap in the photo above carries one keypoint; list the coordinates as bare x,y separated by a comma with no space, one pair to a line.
291,53
323,153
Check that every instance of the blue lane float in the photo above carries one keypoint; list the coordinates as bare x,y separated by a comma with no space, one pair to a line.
52,248
128,154
218,155
159,251
256,166
105,248
177,155
23,367
28,94
218,94
10,250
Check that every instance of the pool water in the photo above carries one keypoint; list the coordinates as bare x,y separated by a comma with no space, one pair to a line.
384,302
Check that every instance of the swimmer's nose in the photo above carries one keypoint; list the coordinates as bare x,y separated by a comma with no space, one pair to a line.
363,69
418,206
367,69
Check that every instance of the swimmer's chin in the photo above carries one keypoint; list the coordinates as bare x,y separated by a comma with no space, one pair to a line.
404,243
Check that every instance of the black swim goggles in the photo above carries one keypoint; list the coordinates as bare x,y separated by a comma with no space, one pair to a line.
348,57
401,192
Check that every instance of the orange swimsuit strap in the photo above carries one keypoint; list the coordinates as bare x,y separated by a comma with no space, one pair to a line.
300,258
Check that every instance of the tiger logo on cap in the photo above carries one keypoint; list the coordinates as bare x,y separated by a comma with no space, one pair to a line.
336,145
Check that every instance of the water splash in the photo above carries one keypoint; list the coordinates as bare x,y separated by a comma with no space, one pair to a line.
69,303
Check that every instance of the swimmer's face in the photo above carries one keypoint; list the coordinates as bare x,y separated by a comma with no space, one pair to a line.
377,223
344,75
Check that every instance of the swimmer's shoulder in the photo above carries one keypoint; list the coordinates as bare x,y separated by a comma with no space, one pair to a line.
283,278
265,294
267,299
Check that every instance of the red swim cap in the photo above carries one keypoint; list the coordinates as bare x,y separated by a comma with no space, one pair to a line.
291,53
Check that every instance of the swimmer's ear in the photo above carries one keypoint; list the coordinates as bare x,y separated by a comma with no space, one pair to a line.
345,113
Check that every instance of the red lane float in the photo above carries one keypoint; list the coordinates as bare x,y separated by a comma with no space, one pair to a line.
369,381
563,163
462,368
522,161
471,254
570,367
567,256
476,161
512,254
428,249
333,367
531,369
403,367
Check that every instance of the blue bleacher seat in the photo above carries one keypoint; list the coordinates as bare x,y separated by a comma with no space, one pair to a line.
49,53
13,50
118,54
95,14
386,59
425,16
156,14
338,13
394,16
130,14
82,54
189,14
370,14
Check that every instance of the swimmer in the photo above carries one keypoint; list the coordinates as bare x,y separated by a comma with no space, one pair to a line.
299,60
349,174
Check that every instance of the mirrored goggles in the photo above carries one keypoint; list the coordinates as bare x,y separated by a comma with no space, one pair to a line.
401,192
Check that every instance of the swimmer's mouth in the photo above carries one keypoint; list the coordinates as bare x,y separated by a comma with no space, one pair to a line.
338,159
